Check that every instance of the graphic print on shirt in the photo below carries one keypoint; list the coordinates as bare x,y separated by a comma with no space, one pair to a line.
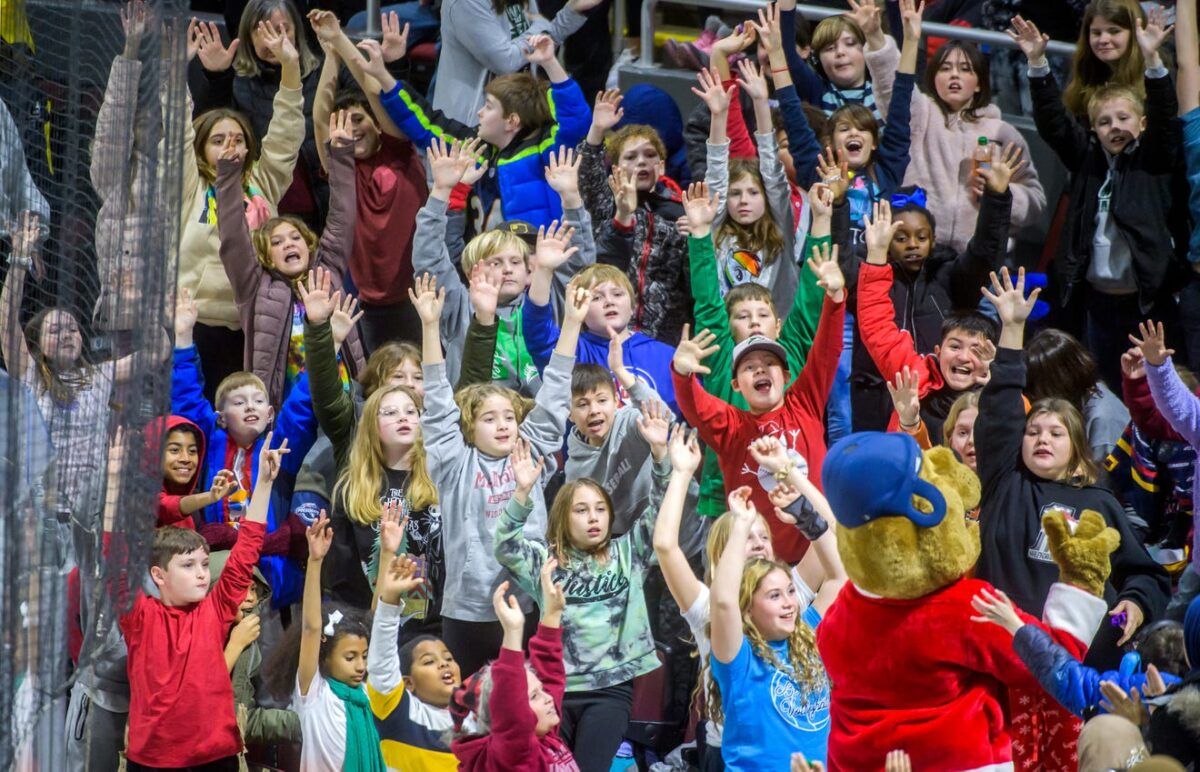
791,441
500,486
789,701
1041,547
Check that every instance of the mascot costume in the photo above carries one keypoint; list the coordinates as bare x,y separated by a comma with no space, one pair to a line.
908,669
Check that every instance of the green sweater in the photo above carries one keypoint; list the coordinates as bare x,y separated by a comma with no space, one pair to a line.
796,337
606,628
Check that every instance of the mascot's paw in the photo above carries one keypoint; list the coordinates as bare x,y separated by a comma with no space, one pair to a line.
1082,557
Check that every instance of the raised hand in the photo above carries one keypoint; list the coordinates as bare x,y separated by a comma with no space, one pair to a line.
133,23
271,461
245,632
224,483
341,129
448,161
769,453
624,191
552,250
1152,32
214,56
1000,171
820,201
1009,299
391,527
654,424
345,315
1153,343
906,397
742,37
578,300
711,91
540,50
692,351
526,472
316,293
279,43
326,25
685,450
1133,364
995,607
372,61
1119,703
399,580
834,172
616,360
911,15
395,40
320,538
751,80
607,112
512,619
867,16
700,207
742,507
484,294
767,28
186,312
1029,39
878,233
824,264
427,298
553,598
562,173
782,496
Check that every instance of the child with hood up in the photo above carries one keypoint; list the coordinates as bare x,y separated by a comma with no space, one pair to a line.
183,448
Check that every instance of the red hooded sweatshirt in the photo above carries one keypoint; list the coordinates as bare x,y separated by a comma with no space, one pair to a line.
169,497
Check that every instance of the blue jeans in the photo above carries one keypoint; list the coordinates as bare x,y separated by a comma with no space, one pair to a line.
423,22
838,407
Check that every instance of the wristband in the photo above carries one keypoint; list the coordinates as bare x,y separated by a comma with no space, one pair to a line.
808,521
782,474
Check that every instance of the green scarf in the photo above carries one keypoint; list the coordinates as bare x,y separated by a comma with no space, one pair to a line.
362,739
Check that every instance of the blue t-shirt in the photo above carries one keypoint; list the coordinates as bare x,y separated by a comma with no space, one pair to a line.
761,738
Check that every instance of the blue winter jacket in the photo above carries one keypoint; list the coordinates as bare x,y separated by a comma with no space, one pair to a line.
519,170
645,357
295,422
1075,685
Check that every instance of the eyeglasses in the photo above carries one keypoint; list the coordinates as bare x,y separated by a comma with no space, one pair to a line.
390,412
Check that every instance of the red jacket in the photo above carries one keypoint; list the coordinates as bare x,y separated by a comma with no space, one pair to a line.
921,676
799,423
169,512
512,745
890,347
180,697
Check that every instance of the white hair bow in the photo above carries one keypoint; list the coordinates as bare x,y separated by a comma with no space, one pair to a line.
334,618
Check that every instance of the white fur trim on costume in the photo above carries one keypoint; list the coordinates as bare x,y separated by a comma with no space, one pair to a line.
1073,611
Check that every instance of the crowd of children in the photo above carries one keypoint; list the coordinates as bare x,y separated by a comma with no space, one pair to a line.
489,440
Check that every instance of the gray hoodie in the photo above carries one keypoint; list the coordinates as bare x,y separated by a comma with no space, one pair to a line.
473,487
432,255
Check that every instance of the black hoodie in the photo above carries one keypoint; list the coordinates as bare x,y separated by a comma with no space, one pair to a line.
1014,555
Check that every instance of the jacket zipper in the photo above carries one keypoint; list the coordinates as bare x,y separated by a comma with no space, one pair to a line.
646,243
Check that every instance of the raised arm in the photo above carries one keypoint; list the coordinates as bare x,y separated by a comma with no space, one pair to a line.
323,99
726,614
332,404
12,336
683,584
237,249
522,556
337,240
1174,400
320,537
285,134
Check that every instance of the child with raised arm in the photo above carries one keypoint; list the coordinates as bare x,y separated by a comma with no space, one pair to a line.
607,639
234,427
501,254
176,642
469,438
760,371
522,123
409,686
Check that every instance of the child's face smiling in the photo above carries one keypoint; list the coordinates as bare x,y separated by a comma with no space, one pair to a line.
753,317
610,309
855,145
496,426
641,160
1117,123
912,242
593,412
844,63
961,367
774,607
181,456
1108,40
246,412
589,519
288,251
434,673
760,380
365,131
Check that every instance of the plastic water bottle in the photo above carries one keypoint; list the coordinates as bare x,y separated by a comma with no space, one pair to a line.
982,158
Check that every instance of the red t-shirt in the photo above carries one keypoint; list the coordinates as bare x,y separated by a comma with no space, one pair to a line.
180,696
390,190
799,424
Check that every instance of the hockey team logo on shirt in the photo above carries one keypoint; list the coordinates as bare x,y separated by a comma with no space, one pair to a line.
1041,547
806,715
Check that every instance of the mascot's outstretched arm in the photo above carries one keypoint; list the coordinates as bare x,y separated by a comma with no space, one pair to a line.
1082,557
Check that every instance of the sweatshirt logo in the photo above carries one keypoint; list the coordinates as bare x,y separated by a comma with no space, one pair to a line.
595,589
806,715
1041,547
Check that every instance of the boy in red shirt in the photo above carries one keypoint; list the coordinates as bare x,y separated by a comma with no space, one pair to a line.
760,374
176,643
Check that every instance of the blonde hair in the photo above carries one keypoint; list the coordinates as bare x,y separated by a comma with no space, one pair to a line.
831,28
261,237
558,522
365,471
470,401
1089,73
1081,466
614,145
1111,93
764,234
597,273
965,402
804,661
384,361
237,380
489,243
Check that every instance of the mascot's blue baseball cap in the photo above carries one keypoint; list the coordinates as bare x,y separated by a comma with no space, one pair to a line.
870,475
